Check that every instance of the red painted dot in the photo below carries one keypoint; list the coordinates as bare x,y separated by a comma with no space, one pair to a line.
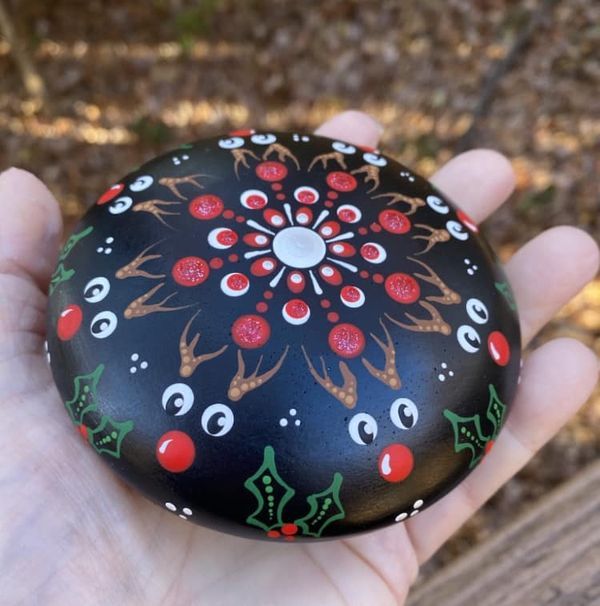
363,231
325,303
233,258
328,204
363,274
250,331
378,278
240,218
395,463
206,207
341,181
333,195
69,322
499,348
262,307
394,221
346,340
268,294
228,214
489,446
241,132
333,317
296,309
83,430
271,171
110,193
280,196
289,529
190,271
276,186
216,263
273,534
402,288
175,451
375,227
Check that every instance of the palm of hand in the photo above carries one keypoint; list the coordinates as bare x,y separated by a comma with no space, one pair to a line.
73,533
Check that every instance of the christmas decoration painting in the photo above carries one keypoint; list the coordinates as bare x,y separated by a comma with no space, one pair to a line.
283,336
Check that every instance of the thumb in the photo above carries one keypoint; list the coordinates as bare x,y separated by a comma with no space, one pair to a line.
30,226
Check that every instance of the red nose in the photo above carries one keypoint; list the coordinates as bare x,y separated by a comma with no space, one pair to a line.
395,463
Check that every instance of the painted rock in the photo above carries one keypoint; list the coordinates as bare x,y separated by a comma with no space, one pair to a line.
283,336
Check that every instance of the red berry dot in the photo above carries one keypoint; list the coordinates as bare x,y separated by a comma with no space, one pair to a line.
328,203
289,529
240,219
273,534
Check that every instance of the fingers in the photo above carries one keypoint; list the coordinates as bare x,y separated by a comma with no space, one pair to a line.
548,271
557,379
31,226
353,127
478,182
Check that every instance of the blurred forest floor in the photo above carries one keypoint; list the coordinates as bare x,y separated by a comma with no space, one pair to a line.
125,80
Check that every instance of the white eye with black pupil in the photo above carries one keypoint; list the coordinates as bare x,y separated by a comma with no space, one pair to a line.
456,230
363,429
96,290
263,139
231,143
438,205
468,338
103,324
343,148
374,159
177,399
217,420
141,183
404,413
120,205
477,311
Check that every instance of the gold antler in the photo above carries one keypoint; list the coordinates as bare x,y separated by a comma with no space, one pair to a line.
435,236
282,153
395,197
137,308
371,174
189,361
449,297
173,183
435,324
325,158
389,375
132,269
240,384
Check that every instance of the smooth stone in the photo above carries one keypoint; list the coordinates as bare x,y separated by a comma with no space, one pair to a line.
283,336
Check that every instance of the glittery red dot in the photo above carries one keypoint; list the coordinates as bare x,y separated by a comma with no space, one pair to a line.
341,181
190,271
216,263
402,288
206,207
271,171
346,340
378,278
325,303
262,307
334,317
250,331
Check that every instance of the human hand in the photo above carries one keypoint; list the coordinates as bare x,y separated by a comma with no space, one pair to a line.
71,532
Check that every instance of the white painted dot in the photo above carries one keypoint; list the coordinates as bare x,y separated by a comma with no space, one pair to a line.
299,247
401,516
144,365
414,513
296,278
297,422
338,248
135,357
475,267
107,251
470,271
293,412
327,271
467,261
170,506
451,373
133,370
182,516
444,365
187,511
109,240
283,422
441,377
268,265
418,504
100,249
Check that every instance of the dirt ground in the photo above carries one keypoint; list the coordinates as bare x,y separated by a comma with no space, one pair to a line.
124,80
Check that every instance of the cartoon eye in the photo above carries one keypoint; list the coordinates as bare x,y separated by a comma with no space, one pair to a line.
468,338
254,199
141,183
374,159
457,230
217,420
103,324
231,143
120,205
343,148
404,413
373,252
349,213
177,399
263,139
438,205
477,311
222,238
235,284
306,195
363,429
96,290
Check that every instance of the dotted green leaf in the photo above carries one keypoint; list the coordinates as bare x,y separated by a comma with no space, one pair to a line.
84,398
468,435
271,493
108,436
59,276
325,508
496,411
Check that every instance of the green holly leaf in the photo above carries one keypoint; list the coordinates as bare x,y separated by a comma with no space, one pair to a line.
108,436
72,241
325,508
468,435
271,492
59,276
84,398
496,411
504,289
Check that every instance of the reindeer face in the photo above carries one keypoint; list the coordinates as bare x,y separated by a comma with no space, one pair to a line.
282,336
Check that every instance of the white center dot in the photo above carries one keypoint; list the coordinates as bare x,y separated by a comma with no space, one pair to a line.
299,247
